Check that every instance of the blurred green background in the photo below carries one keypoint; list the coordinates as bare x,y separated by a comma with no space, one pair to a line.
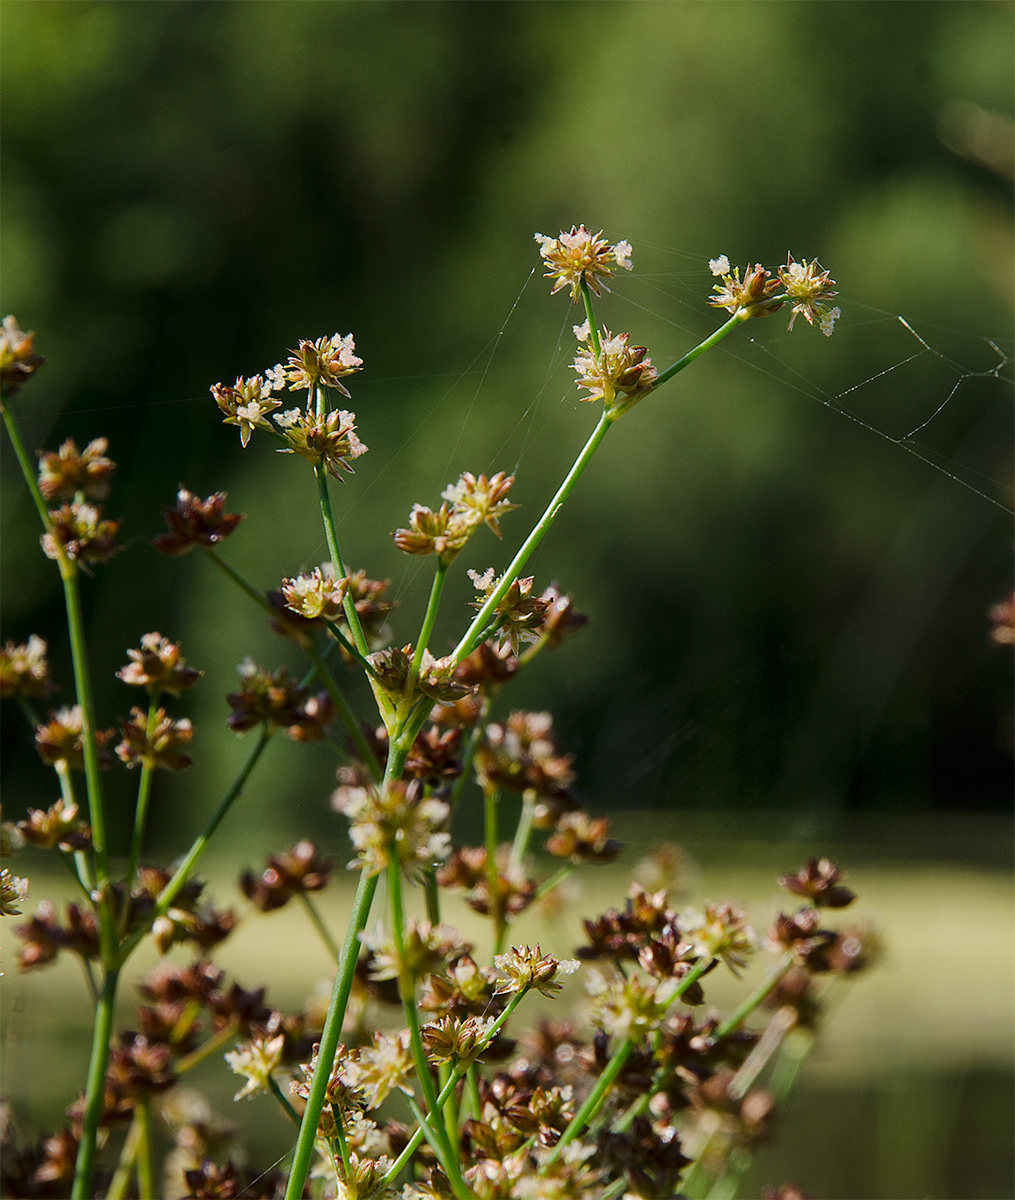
789,607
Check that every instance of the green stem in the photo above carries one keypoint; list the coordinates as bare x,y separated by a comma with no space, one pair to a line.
475,736
595,1098
322,930
490,804
145,1151
590,313
216,1042
118,1185
348,647
281,1097
329,1037
95,1086
431,616
472,637
738,318
413,1144
741,1013
407,989
25,462
520,846
432,895
346,714
554,881
200,844
351,615
258,598
144,788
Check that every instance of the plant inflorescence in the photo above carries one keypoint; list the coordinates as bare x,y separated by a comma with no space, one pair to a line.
420,1079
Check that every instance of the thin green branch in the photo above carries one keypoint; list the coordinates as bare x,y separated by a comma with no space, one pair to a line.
144,788
346,714
744,1010
737,319
102,1032
351,615
430,617
329,1037
318,923
472,637
200,844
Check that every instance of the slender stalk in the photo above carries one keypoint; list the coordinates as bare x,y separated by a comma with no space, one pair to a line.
200,844
432,895
283,1099
346,714
413,1144
144,788
102,1033
744,1010
431,615
198,1055
469,753
520,846
329,1037
490,805
118,1185
595,1098
471,638
590,313
322,930
351,615
145,1151
258,598
406,987
554,881
737,319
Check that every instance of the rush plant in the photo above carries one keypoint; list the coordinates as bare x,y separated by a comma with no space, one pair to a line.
422,1081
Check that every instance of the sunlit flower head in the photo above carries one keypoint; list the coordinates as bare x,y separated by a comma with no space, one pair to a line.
580,255
322,363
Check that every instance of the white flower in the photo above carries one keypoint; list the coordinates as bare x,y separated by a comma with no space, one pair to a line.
720,265
622,253
581,332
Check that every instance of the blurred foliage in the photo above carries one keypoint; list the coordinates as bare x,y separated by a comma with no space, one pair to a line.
789,610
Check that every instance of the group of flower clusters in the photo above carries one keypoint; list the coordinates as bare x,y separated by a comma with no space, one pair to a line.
414,1076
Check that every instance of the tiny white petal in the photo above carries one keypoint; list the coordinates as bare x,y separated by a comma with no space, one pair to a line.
720,265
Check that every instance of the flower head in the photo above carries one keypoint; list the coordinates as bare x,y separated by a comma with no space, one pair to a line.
527,967
750,298
329,440
808,288
580,255
324,362
247,403
301,869
159,667
80,534
59,826
478,500
619,375
317,594
396,822
195,522
24,669
159,745
67,471
256,1060
720,931
13,893
18,360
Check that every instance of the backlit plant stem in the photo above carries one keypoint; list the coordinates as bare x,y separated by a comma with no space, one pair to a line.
406,988
144,789
200,844
741,1013
473,635
351,615
322,930
431,616
713,339
95,1086
362,901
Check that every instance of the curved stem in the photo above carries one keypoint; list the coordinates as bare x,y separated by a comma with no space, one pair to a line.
144,788
95,1086
744,1010
351,615
200,844
431,615
322,930
738,318
472,636
346,714
329,1037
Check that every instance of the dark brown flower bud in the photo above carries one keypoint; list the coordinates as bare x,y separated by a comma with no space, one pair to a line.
195,522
